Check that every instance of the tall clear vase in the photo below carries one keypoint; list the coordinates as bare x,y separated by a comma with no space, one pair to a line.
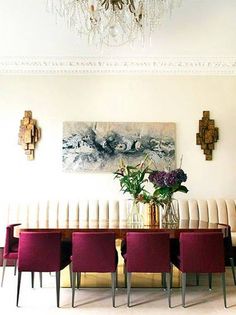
170,217
134,215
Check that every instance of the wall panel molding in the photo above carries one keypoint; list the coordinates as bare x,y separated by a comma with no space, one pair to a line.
112,65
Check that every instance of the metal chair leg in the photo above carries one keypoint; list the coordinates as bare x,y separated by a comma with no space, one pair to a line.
128,287
18,288
113,283
78,279
3,270
163,280
15,267
116,279
183,277
32,279
58,274
210,280
232,268
41,279
168,282
73,288
197,279
125,275
224,288
171,275
70,271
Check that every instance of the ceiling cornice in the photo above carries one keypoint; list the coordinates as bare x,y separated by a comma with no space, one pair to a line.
181,65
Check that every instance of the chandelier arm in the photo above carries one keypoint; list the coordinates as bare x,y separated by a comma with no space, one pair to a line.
113,22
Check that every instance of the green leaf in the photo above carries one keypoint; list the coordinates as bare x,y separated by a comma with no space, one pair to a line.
183,189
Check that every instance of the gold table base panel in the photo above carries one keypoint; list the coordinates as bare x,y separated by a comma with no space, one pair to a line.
101,280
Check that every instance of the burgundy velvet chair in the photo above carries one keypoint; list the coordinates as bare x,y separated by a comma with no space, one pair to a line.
10,251
201,252
229,255
147,252
93,252
41,252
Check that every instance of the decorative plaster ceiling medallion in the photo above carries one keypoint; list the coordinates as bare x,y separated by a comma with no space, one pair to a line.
184,65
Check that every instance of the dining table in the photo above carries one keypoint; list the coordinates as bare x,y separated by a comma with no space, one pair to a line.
120,229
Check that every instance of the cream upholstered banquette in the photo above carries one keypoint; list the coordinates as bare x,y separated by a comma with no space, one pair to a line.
104,213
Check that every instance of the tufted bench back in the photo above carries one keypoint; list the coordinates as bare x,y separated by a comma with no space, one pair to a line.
104,213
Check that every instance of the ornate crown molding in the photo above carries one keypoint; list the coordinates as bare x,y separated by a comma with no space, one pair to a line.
113,65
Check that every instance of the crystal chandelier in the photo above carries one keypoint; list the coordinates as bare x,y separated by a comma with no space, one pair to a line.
113,22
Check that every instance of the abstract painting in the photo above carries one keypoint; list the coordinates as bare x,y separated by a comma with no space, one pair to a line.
99,146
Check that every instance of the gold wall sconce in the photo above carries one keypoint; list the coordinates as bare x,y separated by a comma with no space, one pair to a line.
208,134
29,134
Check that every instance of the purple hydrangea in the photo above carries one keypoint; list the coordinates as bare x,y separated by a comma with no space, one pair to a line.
167,179
158,178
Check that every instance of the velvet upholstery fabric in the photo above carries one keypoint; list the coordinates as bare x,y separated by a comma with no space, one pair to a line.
94,252
147,252
229,251
41,252
11,243
201,253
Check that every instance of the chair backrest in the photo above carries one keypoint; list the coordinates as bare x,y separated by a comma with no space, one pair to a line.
39,251
148,252
94,252
202,252
11,242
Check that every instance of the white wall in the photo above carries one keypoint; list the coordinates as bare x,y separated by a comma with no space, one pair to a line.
114,98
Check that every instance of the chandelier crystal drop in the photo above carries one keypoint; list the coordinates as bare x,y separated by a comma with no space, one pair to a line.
113,22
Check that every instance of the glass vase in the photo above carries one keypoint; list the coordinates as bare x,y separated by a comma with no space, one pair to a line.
134,215
170,217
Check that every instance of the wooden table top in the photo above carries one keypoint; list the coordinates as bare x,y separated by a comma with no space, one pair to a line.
121,230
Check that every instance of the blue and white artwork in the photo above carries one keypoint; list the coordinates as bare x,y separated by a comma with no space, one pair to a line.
99,146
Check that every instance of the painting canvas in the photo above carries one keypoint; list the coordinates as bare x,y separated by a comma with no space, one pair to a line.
99,146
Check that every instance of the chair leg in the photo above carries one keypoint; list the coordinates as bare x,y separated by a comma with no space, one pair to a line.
73,288
41,279
116,279
125,275
168,282
32,279
197,279
78,279
128,287
70,271
183,277
18,288
15,267
232,268
224,288
210,280
58,274
3,270
163,280
171,275
113,284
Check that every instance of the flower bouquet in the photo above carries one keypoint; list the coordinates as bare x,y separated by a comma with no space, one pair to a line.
165,185
132,180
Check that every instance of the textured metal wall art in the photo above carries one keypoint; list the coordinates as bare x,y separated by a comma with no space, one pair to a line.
99,146
208,135
29,134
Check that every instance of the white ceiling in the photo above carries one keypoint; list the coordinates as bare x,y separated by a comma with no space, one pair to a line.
200,31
